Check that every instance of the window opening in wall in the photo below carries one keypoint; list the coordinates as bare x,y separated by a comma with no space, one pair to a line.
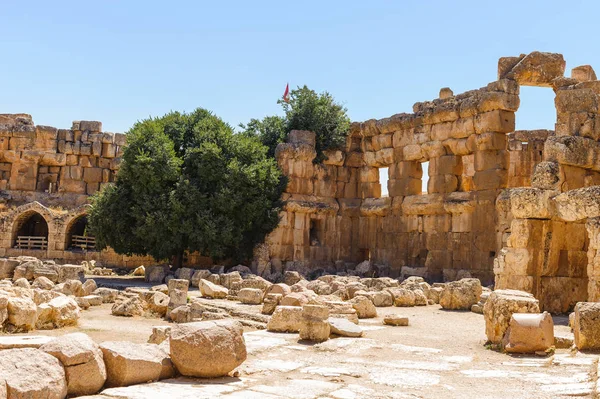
384,176
316,232
536,109
425,178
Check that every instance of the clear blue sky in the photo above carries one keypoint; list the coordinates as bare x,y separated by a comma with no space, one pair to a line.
118,62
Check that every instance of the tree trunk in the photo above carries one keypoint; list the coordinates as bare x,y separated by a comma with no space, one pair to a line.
178,261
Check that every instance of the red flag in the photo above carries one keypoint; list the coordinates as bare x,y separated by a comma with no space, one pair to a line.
286,93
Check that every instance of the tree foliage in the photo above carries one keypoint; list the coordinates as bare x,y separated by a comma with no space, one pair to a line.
307,110
188,183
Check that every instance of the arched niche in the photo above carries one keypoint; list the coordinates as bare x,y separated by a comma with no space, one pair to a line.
30,231
78,237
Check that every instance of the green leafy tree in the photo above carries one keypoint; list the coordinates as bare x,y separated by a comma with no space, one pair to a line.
188,183
306,110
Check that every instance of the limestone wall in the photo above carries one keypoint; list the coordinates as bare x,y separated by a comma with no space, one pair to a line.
59,167
490,208
51,172
553,236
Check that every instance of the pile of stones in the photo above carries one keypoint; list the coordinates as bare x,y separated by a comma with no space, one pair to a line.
43,295
74,365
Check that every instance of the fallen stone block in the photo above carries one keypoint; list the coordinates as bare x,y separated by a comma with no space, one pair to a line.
210,290
365,309
461,294
128,363
563,340
395,320
93,300
499,308
586,325
344,328
402,296
43,283
83,361
128,307
22,314
70,272
529,333
250,296
314,325
109,295
270,302
208,348
156,274
32,373
285,319
280,288
199,275
297,298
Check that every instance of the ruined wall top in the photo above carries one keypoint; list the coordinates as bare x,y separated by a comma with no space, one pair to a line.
56,166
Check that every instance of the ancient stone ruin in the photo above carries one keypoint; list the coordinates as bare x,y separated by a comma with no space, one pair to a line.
517,209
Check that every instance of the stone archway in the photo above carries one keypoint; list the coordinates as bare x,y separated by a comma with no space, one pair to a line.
30,231
77,235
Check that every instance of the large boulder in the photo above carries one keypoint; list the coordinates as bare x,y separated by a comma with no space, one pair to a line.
199,275
210,290
285,319
83,362
58,312
586,325
297,298
43,296
178,290
279,288
42,283
184,273
70,272
128,363
88,287
7,267
109,295
158,303
270,302
365,309
32,374
315,326
207,348
251,296
529,333
128,307
499,308
65,311
229,280
344,327
461,294
291,277
26,269
403,297
156,273
22,314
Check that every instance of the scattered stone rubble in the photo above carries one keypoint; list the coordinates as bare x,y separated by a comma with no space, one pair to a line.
74,365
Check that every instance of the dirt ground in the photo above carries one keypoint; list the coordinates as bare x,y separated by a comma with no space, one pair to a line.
441,354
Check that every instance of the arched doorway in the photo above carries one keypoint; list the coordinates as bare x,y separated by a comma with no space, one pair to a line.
78,236
31,231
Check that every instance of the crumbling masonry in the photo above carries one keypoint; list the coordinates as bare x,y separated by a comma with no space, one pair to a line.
516,208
